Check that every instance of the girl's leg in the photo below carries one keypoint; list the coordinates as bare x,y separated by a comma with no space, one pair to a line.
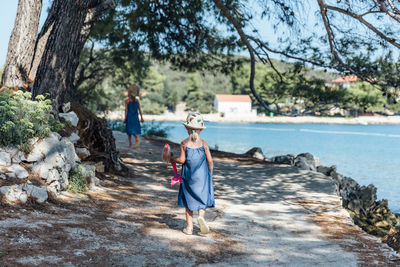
130,140
202,213
189,218
204,229
137,141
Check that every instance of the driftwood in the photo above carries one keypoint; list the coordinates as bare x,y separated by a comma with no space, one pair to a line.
98,138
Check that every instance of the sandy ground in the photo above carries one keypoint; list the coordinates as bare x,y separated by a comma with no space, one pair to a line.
181,116
265,215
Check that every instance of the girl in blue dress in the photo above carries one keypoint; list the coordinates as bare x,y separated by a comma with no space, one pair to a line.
196,192
132,111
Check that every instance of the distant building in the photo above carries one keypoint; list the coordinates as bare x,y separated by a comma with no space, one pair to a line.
229,104
345,81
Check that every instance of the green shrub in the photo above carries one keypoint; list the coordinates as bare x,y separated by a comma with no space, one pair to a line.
77,182
22,118
155,129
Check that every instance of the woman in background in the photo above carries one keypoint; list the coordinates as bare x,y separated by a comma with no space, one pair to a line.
132,111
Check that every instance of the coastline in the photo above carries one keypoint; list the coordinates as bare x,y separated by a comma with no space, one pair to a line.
363,120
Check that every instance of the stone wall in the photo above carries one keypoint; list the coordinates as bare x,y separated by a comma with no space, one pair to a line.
45,169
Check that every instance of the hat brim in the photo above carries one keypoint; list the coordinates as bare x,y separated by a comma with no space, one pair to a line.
191,127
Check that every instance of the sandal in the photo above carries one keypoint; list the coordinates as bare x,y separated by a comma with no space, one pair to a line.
188,230
204,229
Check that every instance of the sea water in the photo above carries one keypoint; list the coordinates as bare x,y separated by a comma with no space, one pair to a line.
370,154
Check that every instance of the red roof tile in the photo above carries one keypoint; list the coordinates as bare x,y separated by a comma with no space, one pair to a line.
345,79
233,98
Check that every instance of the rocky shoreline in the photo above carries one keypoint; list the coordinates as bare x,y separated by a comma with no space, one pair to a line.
370,214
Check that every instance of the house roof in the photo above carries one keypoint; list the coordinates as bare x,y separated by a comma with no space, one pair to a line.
346,79
233,98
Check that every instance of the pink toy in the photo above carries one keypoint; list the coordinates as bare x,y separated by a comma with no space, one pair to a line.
177,178
167,158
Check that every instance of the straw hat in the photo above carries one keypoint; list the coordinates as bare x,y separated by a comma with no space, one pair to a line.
194,121
134,89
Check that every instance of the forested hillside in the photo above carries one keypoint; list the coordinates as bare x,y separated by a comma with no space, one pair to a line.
295,89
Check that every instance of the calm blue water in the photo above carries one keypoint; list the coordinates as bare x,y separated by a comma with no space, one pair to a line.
367,153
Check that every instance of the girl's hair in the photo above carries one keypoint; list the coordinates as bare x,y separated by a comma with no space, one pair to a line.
133,91
193,135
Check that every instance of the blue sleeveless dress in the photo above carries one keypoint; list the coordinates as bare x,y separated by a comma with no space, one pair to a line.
196,190
132,119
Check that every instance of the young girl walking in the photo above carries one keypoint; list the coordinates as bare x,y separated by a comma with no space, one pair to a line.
132,111
196,192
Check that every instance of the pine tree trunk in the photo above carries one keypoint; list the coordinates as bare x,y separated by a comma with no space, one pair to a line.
70,28
21,44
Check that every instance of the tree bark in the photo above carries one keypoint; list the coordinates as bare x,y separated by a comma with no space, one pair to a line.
69,28
21,44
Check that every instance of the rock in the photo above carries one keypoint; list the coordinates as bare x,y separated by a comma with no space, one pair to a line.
73,138
87,170
70,116
5,159
100,167
382,224
53,176
14,194
284,159
70,151
306,161
367,196
393,240
66,107
17,171
355,206
64,180
326,170
18,157
41,168
56,158
37,193
45,147
256,153
2,176
82,152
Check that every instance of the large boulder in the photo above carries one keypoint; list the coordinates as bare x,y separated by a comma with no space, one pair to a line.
19,194
284,159
13,194
306,161
54,157
38,193
17,171
326,170
256,152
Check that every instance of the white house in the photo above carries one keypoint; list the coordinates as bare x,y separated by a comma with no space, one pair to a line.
233,104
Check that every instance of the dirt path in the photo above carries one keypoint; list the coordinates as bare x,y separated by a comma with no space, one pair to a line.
266,215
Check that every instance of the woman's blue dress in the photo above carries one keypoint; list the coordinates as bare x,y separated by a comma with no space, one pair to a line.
196,190
132,119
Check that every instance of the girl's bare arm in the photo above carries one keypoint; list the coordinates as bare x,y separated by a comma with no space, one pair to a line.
208,157
140,110
182,156
126,108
